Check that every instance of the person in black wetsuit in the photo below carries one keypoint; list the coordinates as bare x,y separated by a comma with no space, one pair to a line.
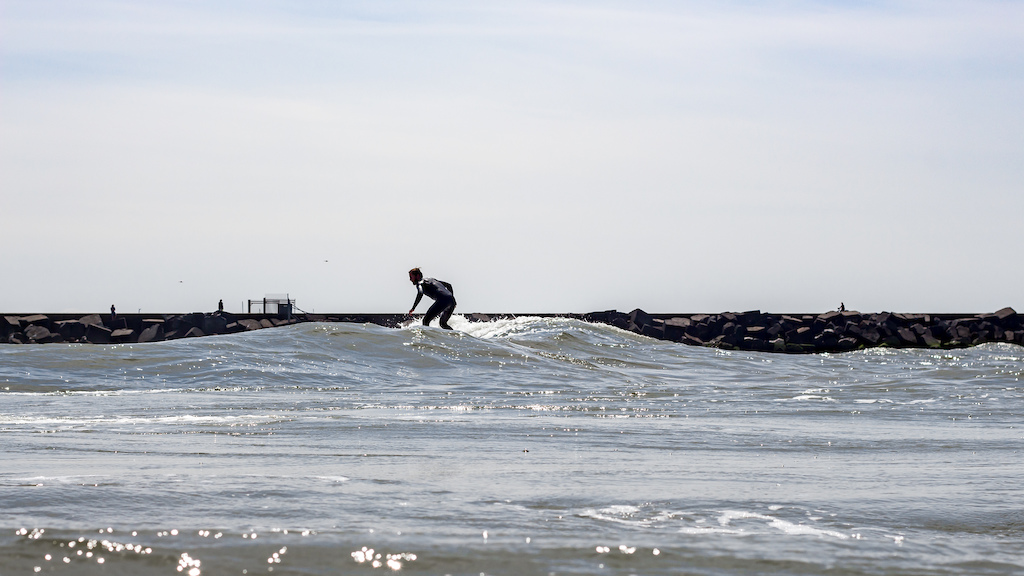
439,291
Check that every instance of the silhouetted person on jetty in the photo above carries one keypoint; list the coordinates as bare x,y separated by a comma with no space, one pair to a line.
439,291
113,312
220,305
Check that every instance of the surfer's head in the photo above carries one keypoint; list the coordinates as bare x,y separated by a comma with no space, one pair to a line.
415,275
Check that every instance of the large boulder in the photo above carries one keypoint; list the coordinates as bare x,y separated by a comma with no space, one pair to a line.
95,334
250,324
675,328
215,324
39,334
35,320
1005,313
8,326
906,336
152,333
70,329
638,319
123,335
91,320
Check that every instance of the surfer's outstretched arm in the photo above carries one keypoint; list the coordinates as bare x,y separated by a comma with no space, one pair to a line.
419,295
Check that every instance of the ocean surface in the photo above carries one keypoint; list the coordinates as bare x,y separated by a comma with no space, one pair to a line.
526,446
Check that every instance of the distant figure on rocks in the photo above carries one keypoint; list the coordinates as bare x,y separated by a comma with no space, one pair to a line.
842,307
439,291
220,305
113,312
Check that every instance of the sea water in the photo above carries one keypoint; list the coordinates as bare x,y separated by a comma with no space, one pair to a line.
525,446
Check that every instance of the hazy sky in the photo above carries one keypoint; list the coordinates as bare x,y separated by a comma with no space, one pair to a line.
540,156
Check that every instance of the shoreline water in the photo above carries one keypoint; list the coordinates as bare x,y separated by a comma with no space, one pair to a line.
835,331
518,446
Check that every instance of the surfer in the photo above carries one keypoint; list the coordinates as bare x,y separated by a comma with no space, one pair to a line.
439,291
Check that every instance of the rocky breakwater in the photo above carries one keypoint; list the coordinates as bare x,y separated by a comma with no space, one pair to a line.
126,328
829,332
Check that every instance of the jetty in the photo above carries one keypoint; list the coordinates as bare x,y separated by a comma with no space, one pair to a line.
834,331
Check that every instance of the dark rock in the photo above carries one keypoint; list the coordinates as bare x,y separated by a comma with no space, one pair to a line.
751,343
906,335
38,334
847,343
939,329
95,334
656,329
801,336
34,320
719,342
830,316
91,320
1005,313
749,318
215,325
620,321
800,348
16,338
268,324
759,332
778,345
152,333
675,328
692,340
638,319
194,332
869,334
827,339
851,316
250,324
123,335
930,341
70,329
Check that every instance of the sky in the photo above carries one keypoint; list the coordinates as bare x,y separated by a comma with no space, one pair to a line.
557,156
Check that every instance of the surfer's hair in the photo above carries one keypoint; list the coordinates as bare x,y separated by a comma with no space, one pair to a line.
416,271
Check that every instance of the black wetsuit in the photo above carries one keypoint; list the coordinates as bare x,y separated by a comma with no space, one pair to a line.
444,300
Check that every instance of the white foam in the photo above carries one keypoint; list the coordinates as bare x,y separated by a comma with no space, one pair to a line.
499,328
784,526
809,397
803,529
332,478
620,514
